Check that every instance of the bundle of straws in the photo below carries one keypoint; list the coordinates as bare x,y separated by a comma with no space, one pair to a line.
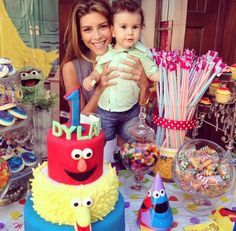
184,78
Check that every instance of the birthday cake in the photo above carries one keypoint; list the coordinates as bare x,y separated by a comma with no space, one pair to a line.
75,189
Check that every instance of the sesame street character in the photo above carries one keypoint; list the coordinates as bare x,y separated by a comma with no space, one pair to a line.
159,215
146,205
77,190
225,218
32,81
73,205
17,50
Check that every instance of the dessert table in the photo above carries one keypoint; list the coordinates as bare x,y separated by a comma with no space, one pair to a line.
11,216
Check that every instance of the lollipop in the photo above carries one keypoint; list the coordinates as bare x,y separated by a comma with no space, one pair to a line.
4,177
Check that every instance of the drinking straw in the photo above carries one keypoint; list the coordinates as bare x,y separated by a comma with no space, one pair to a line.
176,97
180,89
167,106
172,112
174,101
160,106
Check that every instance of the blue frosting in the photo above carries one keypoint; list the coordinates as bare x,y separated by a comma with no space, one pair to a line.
114,221
19,110
6,117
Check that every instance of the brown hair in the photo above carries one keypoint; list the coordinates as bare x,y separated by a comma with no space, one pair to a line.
75,47
131,6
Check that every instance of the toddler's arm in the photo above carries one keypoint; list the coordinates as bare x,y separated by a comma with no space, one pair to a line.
155,77
91,80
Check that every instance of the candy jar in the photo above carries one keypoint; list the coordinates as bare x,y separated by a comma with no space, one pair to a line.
202,169
140,154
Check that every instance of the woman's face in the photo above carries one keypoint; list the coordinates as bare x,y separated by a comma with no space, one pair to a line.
95,32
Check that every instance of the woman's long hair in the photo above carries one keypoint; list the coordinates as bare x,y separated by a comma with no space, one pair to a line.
75,47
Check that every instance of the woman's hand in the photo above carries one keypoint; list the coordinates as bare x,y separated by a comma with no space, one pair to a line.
137,74
106,79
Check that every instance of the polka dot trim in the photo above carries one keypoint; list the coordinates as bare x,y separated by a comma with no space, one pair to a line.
173,124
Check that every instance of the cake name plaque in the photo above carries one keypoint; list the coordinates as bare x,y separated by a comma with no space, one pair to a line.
58,130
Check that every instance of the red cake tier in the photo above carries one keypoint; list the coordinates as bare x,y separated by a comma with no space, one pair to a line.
75,162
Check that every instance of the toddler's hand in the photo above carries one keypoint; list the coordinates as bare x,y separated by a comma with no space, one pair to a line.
88,83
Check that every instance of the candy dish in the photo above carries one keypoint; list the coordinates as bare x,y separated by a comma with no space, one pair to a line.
202,169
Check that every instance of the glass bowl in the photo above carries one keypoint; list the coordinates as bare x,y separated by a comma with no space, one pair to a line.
140,159
202,168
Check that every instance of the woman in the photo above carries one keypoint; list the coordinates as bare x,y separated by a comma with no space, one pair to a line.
88,34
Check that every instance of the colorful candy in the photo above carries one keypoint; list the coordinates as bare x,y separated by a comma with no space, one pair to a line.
139,156
203,171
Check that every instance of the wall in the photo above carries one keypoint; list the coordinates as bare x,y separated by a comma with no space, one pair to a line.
175,10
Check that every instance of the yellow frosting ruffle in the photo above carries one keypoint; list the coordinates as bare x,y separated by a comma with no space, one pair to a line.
54,201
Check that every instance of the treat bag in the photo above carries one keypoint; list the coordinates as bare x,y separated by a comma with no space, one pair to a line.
155,212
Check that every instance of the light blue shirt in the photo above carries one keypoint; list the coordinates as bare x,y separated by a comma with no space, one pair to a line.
125,94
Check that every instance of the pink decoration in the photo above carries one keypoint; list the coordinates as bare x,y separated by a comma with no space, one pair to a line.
184,78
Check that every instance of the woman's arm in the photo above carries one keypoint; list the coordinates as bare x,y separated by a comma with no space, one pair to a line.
71,82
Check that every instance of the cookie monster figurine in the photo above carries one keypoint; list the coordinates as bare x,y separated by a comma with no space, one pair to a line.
157,215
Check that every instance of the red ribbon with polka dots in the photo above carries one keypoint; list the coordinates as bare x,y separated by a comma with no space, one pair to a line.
173,124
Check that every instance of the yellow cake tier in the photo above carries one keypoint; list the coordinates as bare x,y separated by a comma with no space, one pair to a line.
55,202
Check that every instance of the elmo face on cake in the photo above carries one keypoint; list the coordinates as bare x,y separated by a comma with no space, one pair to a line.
75,163
85,164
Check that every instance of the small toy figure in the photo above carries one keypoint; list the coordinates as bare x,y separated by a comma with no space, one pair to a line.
155,212
32,81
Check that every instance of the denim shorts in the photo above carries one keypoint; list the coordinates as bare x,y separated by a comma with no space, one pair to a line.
117,123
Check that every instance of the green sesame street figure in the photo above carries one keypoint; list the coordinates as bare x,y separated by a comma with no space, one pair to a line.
32,81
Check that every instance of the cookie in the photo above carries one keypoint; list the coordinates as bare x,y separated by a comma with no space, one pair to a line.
18,113
11,69
16,164
6,106
6,119
29,158
3,70
4,60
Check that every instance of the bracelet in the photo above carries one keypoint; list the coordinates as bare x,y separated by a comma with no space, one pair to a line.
145,103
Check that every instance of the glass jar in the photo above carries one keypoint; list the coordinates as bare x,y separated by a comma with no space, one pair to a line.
140,154
164,164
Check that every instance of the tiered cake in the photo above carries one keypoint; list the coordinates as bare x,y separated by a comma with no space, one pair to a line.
75,189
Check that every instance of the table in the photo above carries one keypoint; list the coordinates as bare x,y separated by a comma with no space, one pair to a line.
11,217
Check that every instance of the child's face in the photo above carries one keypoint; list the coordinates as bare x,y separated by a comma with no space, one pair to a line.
126,29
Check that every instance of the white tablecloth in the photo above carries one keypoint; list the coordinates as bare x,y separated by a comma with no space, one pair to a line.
11,217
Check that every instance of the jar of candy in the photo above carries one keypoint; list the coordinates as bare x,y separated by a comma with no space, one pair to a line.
140,154
164,164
